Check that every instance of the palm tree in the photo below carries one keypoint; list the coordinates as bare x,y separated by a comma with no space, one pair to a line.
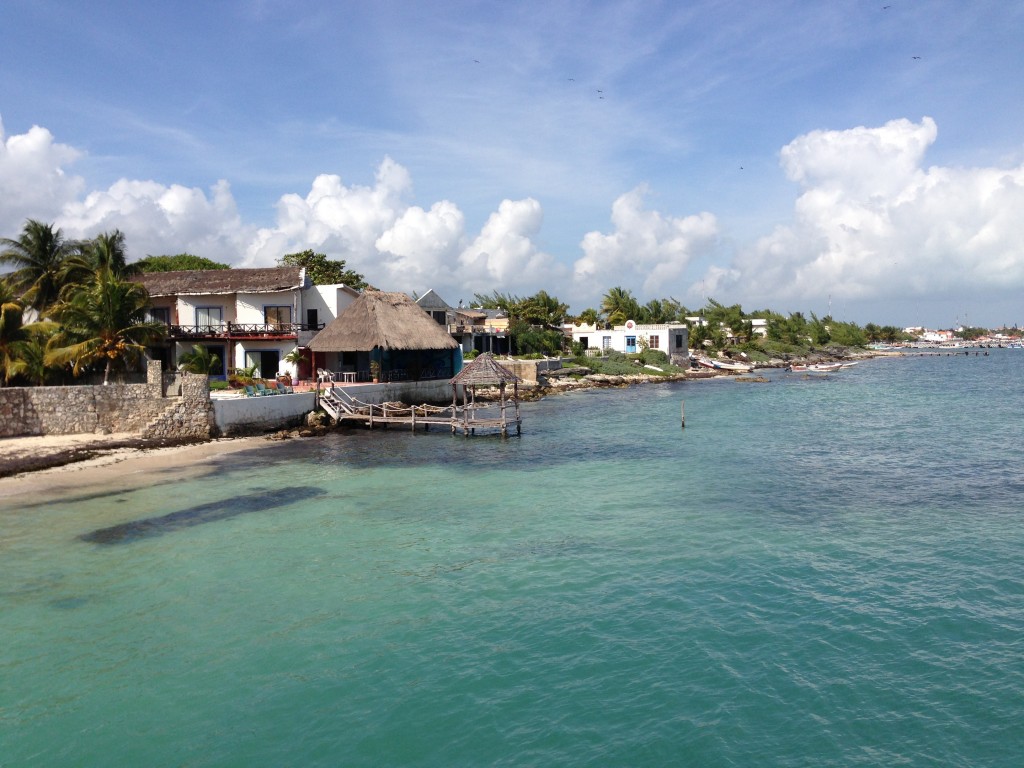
103,319
38,256
202,360
618,306
12,333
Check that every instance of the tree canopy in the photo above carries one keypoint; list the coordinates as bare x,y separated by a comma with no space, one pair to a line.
181,262
323,271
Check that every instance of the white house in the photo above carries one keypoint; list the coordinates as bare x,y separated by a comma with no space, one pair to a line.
247,317
671,338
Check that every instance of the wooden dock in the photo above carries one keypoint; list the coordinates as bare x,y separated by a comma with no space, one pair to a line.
465,418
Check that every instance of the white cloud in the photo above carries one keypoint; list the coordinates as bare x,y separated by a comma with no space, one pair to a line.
504,255
646,248
872,222
33,180
159,219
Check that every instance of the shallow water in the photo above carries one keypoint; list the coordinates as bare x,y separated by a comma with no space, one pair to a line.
816,571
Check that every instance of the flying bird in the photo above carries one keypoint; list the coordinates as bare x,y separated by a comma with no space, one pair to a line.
915,57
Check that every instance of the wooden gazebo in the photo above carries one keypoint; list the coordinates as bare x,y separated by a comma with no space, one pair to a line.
485,371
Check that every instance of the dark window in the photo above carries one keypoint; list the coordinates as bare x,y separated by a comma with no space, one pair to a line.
277,315
311,319
160,315
679,341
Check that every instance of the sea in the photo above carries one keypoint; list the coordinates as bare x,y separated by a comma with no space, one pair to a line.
814,571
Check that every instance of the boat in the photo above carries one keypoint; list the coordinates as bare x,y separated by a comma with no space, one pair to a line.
817,367
734,366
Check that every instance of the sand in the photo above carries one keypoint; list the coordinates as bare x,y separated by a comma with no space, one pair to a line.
72,463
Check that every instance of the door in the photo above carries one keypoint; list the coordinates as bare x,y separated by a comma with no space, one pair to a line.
630,344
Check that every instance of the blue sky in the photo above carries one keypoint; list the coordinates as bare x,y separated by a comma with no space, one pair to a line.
863,156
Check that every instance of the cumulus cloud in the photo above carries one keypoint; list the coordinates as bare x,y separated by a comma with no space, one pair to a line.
872,222
33,179
504,256
646,248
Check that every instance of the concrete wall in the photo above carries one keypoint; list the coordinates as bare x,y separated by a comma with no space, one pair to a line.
259,414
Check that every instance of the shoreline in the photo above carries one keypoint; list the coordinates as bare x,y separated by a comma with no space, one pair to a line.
39,464
76,463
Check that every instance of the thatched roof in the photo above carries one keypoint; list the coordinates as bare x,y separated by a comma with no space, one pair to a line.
385,320
485,371
218,281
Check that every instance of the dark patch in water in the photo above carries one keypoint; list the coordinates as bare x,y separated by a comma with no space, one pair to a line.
201,513
69,603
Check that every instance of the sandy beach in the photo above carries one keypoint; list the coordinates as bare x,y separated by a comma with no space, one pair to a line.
76,462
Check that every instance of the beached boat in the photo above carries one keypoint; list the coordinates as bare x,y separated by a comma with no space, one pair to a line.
734,366
817,367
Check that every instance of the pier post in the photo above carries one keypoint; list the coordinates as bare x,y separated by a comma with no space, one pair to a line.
682,413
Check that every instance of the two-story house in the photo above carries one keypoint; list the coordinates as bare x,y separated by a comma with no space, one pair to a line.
247,317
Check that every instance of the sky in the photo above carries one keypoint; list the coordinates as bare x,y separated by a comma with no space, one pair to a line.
853,158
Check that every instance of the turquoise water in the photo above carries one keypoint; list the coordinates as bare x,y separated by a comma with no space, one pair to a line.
816,571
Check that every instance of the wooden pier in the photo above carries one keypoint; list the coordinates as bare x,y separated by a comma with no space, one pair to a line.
469,416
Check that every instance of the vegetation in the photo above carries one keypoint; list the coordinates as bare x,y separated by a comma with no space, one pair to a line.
180,263
323,271
200,360
102,321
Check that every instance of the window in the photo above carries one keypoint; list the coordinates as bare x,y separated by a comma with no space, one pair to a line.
159,315
209,317
653,342
311,320
584,342
679,341
606,342
277,316
440,316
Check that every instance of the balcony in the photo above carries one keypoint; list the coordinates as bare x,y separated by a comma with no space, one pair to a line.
244,331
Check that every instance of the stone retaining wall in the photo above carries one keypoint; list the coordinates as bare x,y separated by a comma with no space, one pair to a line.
190,415
135,408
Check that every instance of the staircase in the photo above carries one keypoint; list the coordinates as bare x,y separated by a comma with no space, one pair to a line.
337,403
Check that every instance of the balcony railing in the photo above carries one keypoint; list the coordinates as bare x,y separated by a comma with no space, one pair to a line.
241,330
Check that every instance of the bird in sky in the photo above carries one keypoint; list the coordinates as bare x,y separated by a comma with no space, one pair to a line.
915,57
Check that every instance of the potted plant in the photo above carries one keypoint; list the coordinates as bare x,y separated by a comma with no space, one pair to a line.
375,371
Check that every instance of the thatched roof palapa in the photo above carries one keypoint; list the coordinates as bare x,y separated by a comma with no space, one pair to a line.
221,281
385,320
485,371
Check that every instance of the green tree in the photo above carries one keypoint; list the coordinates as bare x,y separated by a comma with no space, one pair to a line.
506,302
588,316
182,262
618,306
541,309
202,360
107,251
13,335
323,271
102,320
38,257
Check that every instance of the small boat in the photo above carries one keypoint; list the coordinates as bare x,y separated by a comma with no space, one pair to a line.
817,367
722,365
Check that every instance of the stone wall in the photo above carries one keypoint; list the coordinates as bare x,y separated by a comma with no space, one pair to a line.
190,416
135,408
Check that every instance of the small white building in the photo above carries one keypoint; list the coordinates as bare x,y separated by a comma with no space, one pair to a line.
671,338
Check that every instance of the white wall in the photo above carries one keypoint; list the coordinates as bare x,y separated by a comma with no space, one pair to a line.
253,413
